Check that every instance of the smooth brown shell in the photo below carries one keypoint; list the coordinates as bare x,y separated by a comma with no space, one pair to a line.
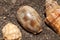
53,15
29,19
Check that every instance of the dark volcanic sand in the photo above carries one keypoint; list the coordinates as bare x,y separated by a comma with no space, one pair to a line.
8,10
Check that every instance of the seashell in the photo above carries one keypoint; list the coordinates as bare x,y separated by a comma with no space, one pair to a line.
11,32
29,19
53,15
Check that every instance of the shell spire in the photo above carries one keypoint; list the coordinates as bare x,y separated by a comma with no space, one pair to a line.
51,5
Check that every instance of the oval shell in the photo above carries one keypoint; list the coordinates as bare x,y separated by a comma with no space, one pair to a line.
29,19
11,32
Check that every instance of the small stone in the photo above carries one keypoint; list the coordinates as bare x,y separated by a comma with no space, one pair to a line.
2,10
4,17
11,32
13,1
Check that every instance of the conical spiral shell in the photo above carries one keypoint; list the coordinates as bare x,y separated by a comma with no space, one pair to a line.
53,15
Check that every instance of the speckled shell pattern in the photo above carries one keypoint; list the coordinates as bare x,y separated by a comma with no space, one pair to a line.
29,19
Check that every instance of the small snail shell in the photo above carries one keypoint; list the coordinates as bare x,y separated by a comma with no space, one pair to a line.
53,15
29,19
11,32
